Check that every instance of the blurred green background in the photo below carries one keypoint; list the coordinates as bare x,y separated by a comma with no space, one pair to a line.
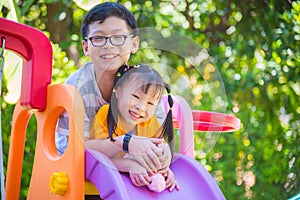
252,71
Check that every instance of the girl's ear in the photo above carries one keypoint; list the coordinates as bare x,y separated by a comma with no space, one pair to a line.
117,91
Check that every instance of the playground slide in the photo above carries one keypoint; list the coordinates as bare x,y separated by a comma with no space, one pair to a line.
195,182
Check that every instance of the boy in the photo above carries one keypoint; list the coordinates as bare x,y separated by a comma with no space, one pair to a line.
109,35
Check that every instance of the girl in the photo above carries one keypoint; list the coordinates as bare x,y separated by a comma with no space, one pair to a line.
136,93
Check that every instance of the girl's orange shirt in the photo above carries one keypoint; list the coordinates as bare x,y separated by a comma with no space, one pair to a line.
99,129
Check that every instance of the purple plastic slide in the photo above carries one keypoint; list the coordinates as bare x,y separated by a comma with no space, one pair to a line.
194,181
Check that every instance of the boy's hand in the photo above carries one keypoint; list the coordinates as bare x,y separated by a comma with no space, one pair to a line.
146,152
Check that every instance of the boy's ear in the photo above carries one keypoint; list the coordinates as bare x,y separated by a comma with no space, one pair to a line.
85,47
135,44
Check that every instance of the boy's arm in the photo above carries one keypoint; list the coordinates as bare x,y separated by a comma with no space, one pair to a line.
105,146
144,150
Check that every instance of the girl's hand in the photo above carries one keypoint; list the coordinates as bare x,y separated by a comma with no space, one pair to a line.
138,174
171,183
146,152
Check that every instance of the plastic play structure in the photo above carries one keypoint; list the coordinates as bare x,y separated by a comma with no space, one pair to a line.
70,175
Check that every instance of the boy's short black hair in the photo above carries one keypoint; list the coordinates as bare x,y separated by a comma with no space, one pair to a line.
104,10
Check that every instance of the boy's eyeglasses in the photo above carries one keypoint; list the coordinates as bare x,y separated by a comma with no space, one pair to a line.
116,40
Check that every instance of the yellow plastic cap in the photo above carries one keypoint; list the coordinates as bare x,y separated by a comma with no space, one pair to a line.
58,183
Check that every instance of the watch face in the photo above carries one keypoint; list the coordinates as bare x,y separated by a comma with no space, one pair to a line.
127,137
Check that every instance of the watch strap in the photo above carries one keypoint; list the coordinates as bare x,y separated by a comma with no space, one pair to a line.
126,140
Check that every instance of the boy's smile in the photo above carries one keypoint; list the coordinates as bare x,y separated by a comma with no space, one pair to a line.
109,56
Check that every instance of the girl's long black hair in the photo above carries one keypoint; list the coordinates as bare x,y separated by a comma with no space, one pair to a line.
147,76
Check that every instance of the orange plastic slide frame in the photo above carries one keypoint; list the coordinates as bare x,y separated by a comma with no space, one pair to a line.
47,164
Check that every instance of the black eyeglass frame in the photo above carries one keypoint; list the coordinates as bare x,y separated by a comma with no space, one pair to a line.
109,38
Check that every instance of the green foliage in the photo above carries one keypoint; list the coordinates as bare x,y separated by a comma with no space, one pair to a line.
253,46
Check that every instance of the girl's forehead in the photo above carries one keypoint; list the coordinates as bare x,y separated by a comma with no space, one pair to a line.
150,90
136,83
